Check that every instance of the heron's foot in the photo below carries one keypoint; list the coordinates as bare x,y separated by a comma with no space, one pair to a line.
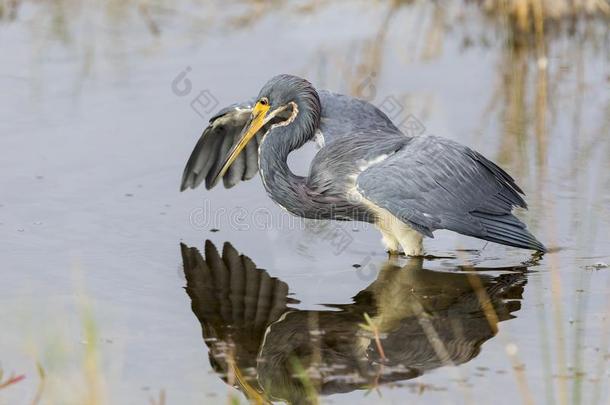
434,257
426,256
415,251
393,254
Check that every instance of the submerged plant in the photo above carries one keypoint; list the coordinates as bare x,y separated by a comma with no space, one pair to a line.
11,380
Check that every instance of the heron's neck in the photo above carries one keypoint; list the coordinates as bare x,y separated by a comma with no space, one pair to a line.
283,186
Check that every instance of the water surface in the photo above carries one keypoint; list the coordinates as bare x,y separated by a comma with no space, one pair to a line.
101,106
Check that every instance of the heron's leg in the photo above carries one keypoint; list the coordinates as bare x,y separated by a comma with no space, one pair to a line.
413,245
389,241
412,242
397,234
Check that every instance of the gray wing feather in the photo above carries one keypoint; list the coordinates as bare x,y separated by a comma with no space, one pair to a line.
215,142
434,183
344,116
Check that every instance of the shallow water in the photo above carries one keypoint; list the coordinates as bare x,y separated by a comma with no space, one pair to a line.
96,123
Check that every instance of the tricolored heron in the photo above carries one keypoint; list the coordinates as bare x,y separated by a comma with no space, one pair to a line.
365,170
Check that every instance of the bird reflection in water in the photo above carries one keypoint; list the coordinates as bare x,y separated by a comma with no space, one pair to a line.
418,320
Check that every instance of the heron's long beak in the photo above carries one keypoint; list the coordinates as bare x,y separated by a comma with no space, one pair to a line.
257,120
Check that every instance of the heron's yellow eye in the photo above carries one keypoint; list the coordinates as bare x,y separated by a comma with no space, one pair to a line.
263,101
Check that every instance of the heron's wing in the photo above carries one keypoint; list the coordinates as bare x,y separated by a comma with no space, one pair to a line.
214,144
234,301
434,183
345,116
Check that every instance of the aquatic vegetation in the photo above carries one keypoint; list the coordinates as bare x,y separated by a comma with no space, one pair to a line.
5,382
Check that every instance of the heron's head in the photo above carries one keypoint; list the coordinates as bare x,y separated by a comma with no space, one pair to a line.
284,101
